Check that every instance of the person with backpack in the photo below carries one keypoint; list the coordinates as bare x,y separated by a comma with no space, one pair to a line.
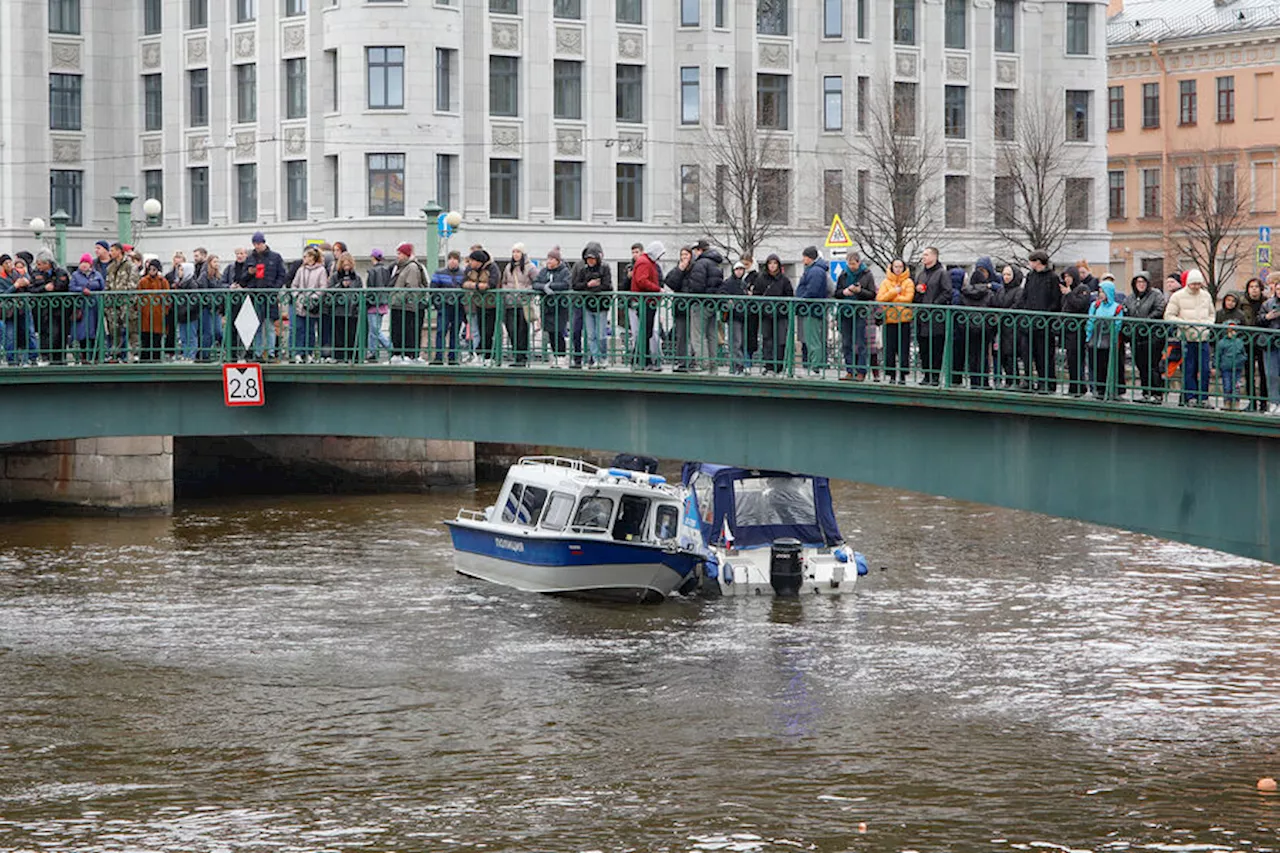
448,308
377,281
406,306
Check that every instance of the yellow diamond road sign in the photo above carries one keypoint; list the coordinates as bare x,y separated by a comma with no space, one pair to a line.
838,236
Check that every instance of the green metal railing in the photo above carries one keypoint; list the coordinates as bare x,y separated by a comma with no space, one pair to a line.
950,347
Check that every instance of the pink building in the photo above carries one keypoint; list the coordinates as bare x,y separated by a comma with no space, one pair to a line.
1193,135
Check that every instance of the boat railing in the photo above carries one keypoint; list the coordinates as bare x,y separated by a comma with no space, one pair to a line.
560,462
472,515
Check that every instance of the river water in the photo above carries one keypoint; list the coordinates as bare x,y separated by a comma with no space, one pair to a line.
306,674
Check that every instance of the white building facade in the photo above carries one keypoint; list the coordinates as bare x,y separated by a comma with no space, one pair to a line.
551,122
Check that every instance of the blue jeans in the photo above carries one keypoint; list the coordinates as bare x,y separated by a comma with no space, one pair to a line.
8,339
1230,382
1272,359
596,326
264,341
448,324
376,337
1195,371
304,333
853,344
189,337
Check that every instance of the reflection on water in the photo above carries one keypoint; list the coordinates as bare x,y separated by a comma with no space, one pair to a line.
309,673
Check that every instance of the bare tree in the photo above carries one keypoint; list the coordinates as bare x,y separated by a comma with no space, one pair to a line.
1211,215
744,164
1029,203
899,193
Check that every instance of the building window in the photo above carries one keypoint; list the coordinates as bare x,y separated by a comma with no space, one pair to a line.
832,194
630,192
1006,36
722,14
66,193
1115,108
152,102
1006,112
333,175
904,21
570,9
568,190
690,95
904,109
331,66
386,184
504,189
1264,95
1079,203
1115,194
1225,190
64,16
772,107
955,110
152,19
446,62
294,8
864,94
198,190
690,12
956,196
246,10
295,76
1187,102
629,12
722,95
504,86
862,20
198,18
64,101
1150,105
1150,193
1003,201
1078,28
246,93
1078,115
773,204
198,96
386,77
630,93
153,187
1226,99
832,103
446,169
296,189
247,192
956,23
771,17
505,7
567,89
833,19
1187,187
690,195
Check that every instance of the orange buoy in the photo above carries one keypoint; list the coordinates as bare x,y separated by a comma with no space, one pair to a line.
1267,785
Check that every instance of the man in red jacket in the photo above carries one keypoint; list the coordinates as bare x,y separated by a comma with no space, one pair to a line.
646,278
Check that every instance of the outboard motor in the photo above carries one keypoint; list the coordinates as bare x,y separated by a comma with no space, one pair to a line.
786,568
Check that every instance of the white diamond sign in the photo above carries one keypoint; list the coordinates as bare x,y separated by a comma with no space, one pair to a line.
247,323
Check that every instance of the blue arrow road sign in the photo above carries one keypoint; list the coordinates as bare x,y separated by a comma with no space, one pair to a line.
442,226
1264,234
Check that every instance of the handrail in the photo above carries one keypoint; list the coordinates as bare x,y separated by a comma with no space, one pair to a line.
560,462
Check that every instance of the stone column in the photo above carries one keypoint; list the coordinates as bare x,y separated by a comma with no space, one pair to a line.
131,474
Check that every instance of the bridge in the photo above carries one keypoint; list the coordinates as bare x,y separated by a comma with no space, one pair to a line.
1206,477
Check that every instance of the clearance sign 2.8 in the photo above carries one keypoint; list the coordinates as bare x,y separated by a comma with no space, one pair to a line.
242,385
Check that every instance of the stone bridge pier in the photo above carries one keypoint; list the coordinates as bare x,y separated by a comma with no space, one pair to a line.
132,474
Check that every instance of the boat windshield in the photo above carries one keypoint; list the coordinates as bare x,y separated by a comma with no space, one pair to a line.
559,508
764,501
631,518
593,514
524,505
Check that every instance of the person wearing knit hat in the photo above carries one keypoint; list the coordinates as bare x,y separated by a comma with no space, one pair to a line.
480,256
258,238
406,308
1192,308
552,280
84,323
405,249
517,277
554,252
102,257
51,321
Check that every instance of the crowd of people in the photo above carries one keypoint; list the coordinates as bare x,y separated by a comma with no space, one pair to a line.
516,310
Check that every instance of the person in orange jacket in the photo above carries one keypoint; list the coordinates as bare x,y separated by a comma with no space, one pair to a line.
897,287
153,311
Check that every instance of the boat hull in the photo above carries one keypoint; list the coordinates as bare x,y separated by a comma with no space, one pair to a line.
583,567
749,573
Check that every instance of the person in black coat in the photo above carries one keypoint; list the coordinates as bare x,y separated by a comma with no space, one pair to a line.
675,282
858,284
774,284
978,333
1013,338
705,278
1042,291
933,288
1076,298
52,308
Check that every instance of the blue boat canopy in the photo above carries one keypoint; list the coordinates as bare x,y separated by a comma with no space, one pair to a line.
761,506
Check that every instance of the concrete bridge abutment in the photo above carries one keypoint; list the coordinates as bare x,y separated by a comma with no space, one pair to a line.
116,475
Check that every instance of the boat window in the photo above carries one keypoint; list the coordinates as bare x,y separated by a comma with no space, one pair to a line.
512,505
559,508
666,524
774,500
531,506
631,519
703,488
594,513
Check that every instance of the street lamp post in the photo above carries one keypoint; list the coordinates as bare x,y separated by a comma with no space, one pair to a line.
124,214
60,220
432,212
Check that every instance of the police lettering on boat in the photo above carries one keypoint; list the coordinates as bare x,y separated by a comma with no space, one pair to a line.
564,526
765,532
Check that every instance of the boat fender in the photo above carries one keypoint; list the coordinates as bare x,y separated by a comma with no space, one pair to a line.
713,570
841,554
861,562
728,573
